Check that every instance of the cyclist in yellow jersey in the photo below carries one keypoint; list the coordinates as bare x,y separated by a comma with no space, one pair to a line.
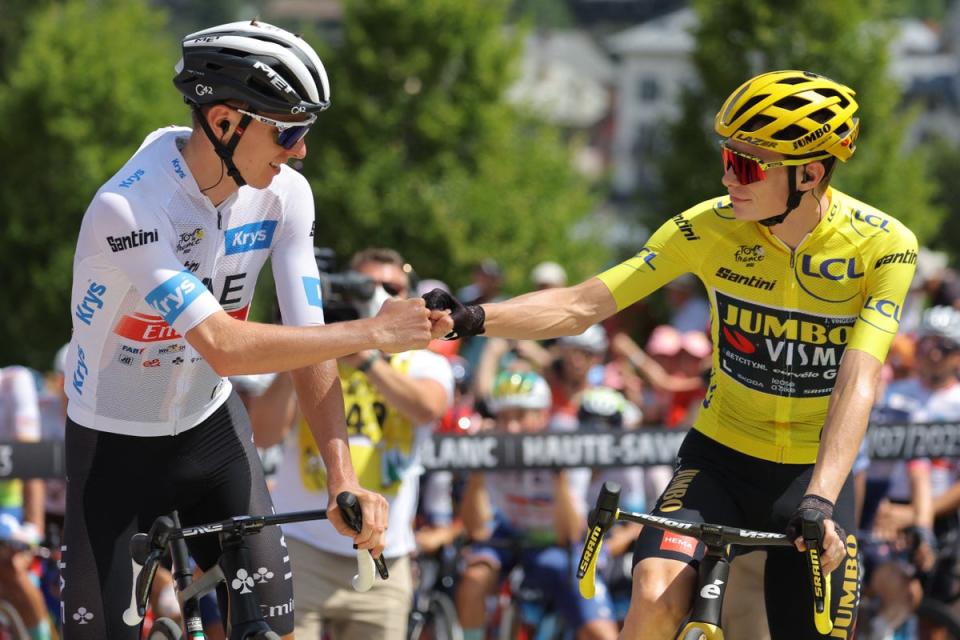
806,285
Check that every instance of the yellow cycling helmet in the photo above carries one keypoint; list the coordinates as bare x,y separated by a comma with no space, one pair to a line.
793,113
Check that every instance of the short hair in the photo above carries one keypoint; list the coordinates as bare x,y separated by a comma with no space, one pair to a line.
376,254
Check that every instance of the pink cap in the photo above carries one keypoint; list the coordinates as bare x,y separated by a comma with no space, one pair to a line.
697,344
664,341
667,341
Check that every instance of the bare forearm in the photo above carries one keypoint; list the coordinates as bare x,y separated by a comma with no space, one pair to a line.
845,426
419,400
922,500
321,402
235,347
550,313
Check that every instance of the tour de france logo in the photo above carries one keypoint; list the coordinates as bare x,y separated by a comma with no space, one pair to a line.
749,255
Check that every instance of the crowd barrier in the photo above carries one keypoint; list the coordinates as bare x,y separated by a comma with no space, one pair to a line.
552,450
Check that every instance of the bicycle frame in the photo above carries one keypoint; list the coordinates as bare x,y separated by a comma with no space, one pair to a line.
714,568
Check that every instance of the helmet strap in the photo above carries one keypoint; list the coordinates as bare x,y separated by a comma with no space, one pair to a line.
793,201
225,151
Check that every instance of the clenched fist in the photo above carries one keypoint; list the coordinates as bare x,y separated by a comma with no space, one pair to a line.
403,325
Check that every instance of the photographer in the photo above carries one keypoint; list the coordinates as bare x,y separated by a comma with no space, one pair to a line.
391,404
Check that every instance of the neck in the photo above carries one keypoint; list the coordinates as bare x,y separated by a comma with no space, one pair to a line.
208,169
802,220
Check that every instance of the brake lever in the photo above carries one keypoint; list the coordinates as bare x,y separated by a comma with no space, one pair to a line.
366,563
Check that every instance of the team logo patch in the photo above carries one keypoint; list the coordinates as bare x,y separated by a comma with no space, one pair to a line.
678,543
782,352
172,297
249,237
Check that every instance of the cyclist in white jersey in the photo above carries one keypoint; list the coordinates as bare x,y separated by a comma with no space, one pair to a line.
164,272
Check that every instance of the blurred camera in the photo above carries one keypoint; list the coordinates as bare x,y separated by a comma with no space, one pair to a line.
346,294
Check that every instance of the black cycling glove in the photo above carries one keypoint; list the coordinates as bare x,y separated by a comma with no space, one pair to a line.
467,319
812,508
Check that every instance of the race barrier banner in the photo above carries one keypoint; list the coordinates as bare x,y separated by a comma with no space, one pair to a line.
551,450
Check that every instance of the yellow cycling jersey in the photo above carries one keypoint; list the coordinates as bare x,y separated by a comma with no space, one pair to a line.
780,318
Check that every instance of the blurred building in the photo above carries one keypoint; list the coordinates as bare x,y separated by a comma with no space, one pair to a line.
569,80
654,65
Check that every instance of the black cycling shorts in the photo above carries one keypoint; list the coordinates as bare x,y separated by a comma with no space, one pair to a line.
118,484
714,483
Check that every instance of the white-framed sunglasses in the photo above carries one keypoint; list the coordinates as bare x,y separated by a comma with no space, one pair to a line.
288,133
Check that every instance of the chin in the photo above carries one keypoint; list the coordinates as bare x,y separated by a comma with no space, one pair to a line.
261,182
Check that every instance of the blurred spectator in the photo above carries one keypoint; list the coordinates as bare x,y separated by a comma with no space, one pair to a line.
22,502
605,408
578,365
547,275
392,403
682,354
53,416
690,310
934,284
531,518
916,493
487,278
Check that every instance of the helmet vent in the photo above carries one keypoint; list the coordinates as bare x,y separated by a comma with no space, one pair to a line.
755,123
794,80
746,106
821,115
791,103
789,133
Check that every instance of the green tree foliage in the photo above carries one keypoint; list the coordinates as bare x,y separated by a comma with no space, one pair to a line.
420,151
842,39
13,28
947,155
90,80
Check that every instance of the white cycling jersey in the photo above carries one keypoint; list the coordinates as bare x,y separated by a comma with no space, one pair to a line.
154,259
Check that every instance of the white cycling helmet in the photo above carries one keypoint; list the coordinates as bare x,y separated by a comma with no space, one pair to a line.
268,68
941,321
516,390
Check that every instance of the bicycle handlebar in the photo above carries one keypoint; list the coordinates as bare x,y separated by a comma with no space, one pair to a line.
607,511
147,549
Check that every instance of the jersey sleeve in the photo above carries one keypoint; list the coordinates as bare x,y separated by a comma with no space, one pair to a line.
427,365
294,265
25,410
669,252
887,284
138,246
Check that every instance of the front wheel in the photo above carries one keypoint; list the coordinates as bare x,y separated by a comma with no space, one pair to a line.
443,615
165,629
